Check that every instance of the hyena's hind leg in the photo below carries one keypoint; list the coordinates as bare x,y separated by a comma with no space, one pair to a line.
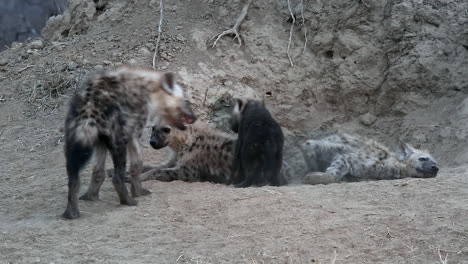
181,173
118,151
77,155
334,173
136,165
98,176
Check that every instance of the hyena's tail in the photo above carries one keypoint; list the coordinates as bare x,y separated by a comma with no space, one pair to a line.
79,144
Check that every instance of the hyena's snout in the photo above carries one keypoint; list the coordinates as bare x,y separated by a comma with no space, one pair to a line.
184,115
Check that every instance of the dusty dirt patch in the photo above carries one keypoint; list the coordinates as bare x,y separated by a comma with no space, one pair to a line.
402,62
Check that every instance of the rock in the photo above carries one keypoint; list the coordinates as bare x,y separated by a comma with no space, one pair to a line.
16,45
368,119
37,44
132,62
71,66
420,137
144,51
99,67
3,62
107,62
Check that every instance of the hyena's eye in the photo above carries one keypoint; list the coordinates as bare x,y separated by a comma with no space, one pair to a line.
423,159
166,130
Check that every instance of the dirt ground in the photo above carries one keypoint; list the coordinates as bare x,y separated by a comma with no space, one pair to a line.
386,69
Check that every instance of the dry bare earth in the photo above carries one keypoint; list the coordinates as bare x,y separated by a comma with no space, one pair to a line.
404,221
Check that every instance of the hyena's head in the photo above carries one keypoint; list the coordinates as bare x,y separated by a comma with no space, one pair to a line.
171,103
240,106
420,163
160,135
163,135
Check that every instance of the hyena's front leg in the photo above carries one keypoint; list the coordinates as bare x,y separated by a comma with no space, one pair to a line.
136,165
98,176
334,173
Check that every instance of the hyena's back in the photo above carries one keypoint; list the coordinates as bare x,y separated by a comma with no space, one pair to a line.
344,155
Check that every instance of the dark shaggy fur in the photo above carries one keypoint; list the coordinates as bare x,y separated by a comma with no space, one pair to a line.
259,149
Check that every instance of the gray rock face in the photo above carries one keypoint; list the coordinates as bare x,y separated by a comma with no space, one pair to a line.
22,19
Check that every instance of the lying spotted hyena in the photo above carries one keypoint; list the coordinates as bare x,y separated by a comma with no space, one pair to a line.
200,153
344,157
109,114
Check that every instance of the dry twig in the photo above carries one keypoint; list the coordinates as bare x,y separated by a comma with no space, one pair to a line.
161,17
334,257
291,31
25,68
303,26
442,260
235,29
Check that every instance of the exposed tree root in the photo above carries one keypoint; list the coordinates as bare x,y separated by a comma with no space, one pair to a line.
235,29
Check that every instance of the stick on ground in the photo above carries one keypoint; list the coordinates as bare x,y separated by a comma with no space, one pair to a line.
235,29
161,17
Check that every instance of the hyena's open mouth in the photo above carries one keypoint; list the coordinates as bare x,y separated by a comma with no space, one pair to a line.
187,119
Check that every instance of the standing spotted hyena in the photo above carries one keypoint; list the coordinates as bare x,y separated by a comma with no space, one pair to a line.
344,157
109,114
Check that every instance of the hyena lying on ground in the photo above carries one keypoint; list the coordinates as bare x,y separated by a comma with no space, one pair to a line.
109,114
201,153
343,157
212,145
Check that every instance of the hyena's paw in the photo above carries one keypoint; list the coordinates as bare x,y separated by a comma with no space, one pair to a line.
129,201
71,213
89,197
140,192
319,178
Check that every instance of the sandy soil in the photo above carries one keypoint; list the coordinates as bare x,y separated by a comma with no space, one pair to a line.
404,221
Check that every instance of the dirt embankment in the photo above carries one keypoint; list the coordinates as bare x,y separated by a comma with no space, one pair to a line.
386,69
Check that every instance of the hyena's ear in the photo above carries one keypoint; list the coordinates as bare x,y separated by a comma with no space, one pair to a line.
239,105
406,150
169,85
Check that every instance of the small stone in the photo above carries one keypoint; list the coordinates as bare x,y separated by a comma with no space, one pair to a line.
181,38
132,61
99,67
107,62
144,51
165,56
71,66
16,45
179,27
37,44
420,137
368,119
149,46
3,62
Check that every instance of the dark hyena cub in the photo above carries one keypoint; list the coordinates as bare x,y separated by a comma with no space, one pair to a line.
109,113
258,155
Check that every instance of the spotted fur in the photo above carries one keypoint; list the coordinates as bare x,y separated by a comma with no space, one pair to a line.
344,157
109,114
201,153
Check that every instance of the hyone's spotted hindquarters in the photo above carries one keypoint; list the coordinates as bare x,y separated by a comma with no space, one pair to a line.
108,115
